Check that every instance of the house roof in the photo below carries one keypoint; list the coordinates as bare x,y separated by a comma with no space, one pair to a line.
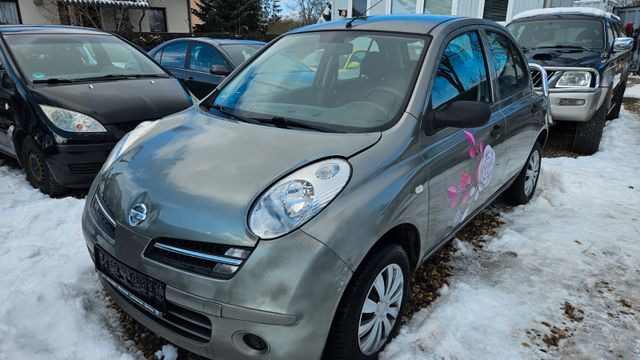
116,3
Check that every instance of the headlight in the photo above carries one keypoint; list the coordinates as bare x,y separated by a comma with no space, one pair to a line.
127,141
574,79
72,121
295,199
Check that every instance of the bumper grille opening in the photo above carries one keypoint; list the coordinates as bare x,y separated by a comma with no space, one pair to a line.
85,168
208,259
182,321
536,77
103,217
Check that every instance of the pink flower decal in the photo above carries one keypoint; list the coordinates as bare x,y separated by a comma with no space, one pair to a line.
470,185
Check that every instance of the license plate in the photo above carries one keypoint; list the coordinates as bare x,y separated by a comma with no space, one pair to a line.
138,287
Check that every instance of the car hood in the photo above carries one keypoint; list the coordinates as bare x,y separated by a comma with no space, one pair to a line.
198,174
550,57
112,102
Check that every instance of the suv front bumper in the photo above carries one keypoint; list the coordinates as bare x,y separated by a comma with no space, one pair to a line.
590,100
286,292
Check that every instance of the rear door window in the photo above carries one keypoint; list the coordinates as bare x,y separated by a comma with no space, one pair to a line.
174,55
510,67
462,73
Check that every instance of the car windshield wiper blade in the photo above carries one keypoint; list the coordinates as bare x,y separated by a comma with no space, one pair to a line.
231,114
53,81
120,77
285,123
578,47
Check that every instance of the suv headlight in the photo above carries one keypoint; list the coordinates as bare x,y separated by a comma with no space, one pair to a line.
72,121
574,79
298,197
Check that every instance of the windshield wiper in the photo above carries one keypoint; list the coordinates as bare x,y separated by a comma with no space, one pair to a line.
53,81
232,115
281,122
120,77
576,47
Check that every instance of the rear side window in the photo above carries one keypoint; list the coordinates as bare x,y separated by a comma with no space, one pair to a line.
509,65
462,73
174,55
203,57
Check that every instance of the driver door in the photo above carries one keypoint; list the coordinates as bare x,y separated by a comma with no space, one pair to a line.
464,165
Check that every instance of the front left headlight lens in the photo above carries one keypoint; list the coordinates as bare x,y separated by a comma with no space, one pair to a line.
298,197
72,121
131,137
574,79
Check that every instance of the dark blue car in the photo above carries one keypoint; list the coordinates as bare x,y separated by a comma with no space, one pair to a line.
202,63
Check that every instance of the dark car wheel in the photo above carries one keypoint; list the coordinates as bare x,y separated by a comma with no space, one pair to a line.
369,313
586,139
523,188
617,100
37,169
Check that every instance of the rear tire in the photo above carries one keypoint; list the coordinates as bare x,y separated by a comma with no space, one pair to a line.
523,188
617,100
586,139
37,169
346,340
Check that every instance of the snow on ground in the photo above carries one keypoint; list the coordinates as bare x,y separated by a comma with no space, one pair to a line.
633,91
577,241
51,305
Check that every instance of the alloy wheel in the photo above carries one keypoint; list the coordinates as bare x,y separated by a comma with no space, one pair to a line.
380,309
533,170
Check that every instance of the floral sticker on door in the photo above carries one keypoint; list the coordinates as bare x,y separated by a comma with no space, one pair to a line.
472,183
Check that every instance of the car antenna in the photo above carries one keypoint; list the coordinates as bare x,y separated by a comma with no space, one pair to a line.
348,24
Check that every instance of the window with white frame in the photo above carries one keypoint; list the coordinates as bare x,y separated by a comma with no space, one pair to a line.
359,8
438,7
403,6
9,12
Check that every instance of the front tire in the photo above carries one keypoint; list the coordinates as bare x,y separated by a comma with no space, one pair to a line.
617,100
586,139
523,188
369,313
37,169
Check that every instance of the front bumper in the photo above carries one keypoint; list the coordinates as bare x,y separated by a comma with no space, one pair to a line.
592,100
286,292
76,165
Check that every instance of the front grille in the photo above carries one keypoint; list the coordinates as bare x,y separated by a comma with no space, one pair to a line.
85,168
102,215
127,125
536,77
178,319
199,257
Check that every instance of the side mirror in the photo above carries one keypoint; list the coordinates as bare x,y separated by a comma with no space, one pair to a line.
623,44
463,114
219,69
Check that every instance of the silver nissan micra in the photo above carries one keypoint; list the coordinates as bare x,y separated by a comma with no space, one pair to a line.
283,216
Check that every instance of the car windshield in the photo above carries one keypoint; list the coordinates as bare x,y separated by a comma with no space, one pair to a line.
342,81
239,53
73,57
559,33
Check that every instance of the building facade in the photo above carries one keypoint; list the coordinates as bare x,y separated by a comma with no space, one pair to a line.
497,10
111,15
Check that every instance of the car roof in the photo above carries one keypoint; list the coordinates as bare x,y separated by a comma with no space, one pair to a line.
409,23
216,41
51,29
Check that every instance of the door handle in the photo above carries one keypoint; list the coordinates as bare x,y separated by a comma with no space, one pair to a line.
535,108
496,131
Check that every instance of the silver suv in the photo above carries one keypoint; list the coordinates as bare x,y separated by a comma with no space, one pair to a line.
284,216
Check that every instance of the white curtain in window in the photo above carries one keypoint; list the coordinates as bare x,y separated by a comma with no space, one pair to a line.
438,7
403,6
9,12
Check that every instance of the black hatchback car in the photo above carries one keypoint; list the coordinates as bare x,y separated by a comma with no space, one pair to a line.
202,63
68,94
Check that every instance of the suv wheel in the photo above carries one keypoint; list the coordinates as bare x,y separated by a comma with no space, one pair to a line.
37,169
586,139
523,188
369,313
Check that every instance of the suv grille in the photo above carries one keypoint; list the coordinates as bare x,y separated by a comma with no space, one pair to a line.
204,258
103,217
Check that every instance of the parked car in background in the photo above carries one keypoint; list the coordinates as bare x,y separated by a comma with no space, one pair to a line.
284,222
202,63
587,59
68,94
